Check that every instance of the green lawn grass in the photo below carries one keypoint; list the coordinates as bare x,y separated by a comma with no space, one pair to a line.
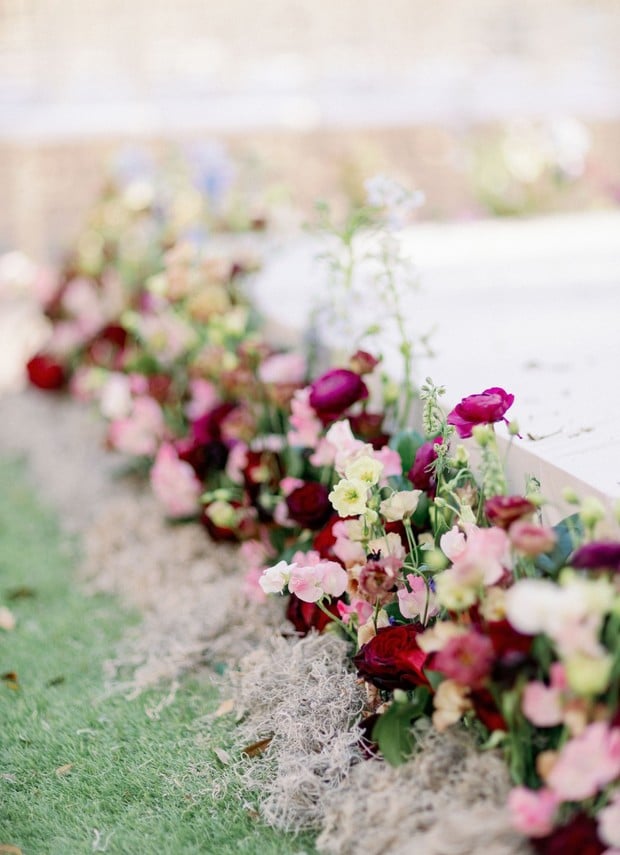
82,772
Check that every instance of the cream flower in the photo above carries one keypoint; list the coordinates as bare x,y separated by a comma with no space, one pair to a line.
364,468
451,700
349,497
275,578
400,505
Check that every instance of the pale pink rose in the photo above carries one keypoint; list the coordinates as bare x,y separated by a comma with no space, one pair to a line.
140,433
419,602
175,483
531,539
452,543
609,822
203,398
532,811
587,763
485,555
544,705
283,368
237,461
306,427
361,608
392,464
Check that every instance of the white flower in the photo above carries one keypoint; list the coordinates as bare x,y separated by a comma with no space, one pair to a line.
400,505
275,578
365,468
529,603
349,497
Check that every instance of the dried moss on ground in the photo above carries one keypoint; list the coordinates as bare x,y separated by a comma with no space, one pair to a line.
80,771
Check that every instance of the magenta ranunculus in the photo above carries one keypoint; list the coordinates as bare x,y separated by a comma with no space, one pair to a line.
309,505
335,391
421,474
598,555
487,407
502,511
392,659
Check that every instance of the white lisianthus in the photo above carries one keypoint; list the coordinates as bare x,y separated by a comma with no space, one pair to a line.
364,468
349,497
275,578
400,505
528,604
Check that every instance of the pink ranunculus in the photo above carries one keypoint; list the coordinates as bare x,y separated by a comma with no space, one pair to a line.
532,811
587,763
543,705
140,433
203,398
466,658
530,538
175,484
283,368
306,427
486,408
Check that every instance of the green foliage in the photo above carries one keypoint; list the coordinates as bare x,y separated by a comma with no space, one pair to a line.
406,443
392,731
568,533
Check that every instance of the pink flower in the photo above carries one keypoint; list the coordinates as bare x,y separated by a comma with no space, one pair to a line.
543,705
349,551
532,811
487,407
485,555
418,602
361,608
283,368
452,543
237,462
306,427
174,483
138,434
609,822
466,658
531,539
203,398
392,463
313,577
587,763
288,484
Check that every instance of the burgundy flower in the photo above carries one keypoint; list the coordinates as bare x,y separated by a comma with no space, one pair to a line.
335,391
309,505
502,511
208,427
307,616
325,539
465,658
45,373
363,362
392,659
369,427
598,555
506,640
486,710
487,407
421,474
579,836
107,348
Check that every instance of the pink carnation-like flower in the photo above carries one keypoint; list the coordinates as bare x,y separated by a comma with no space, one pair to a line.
175,484
466,658
531,539
532,811
587,763
487,407
543,705
139,433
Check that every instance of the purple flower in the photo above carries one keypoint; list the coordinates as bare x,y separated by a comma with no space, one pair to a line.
599,555
335,391
421,473
487,407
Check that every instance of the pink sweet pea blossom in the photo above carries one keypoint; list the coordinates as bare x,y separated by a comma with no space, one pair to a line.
532,811
283,368
362,608
306,425
314,577
587,763
139,433
419,602
174,483
485,555
349,551
392,463
543,705
452,543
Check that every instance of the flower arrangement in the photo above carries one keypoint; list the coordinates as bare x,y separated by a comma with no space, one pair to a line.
462,608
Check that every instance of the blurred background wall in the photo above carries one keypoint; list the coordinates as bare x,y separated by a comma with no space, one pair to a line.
317,94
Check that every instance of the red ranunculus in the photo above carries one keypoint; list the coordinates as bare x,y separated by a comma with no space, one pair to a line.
486,710
324,540
309,505
45,372
577,837
506,640
598,555
335,391
307,616
363,362
208,427
502,511
421,474
368,426
392,659
487,407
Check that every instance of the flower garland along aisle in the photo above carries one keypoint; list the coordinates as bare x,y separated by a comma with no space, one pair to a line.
457,607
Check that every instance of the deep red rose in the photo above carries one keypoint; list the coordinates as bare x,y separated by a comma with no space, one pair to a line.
577,837
324,540
308,616
486,710
309,505
487,407
335,391
502,511
392,659
421,474
369,427
45,372
598,555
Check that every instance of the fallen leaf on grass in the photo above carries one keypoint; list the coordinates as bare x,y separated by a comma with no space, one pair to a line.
9,849
7,619
55,681
10,678
225,707
21,593
64,770
257,748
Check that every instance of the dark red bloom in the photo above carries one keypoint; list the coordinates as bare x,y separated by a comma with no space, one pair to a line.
598,555
486,710
45,372
309,505
324,539
208,427
392,659
108,346
577,837
502,511
369,427
487,407
421,473
363,362
506,640
308,616
335,391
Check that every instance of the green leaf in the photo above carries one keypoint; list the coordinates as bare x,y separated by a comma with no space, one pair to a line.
434,678
393,733
568,532
406,443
